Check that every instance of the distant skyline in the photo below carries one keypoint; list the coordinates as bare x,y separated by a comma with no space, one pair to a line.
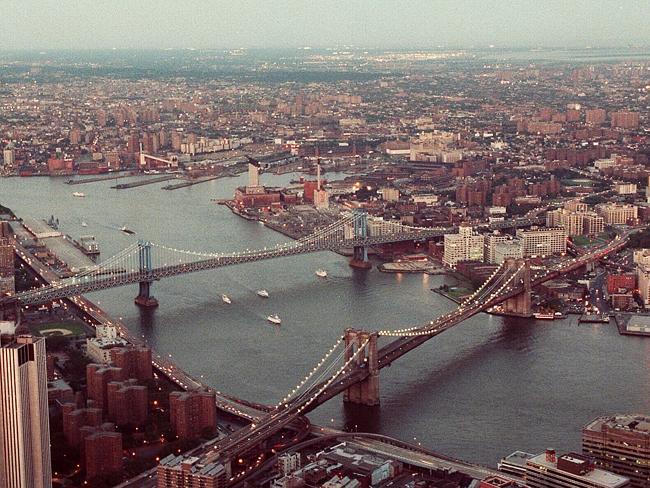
96,24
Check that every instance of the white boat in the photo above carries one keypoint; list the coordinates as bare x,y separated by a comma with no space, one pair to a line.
78,194
274,319
321,273
226,299
84,224
263,293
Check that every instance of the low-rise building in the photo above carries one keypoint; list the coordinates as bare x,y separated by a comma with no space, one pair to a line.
569,470
190,472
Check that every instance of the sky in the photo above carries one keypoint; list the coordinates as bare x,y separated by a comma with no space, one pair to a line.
218,24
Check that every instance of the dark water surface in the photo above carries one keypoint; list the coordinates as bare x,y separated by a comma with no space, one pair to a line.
480,391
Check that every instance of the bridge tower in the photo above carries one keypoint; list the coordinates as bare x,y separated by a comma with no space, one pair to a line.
360,253
144,298
520,304
365,392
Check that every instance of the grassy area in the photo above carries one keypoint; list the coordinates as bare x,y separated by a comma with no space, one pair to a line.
458,292
578,182
74,328
581,240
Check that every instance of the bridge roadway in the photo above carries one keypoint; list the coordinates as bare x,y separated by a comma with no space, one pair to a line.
164,366
248,438
115,278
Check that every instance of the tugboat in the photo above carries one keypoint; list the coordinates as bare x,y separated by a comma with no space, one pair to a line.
226,299
321,273
263,293
274,319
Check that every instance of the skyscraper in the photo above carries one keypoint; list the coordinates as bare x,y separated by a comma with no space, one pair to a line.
24,423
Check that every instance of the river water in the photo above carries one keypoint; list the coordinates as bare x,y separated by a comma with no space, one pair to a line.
480,391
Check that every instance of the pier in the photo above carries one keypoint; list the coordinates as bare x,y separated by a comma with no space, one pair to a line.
148,181
193,182
98,178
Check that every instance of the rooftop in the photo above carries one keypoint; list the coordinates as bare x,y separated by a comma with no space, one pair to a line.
596,476
632,423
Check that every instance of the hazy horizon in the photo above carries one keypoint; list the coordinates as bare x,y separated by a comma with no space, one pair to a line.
380,24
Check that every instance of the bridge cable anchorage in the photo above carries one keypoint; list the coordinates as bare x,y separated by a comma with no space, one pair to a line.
311,373
335,376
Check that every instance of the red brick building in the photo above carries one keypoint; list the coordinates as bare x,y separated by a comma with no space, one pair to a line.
192,413
624,281
625,120
595,116
98,376
74,419
127,403
135,362
102,452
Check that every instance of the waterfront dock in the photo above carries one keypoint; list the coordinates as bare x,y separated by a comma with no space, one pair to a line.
594,319
192,182
633,325
98,178
147,181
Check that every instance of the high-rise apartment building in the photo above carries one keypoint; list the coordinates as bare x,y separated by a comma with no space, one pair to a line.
192,413
595,116
7,283
9,156
544,241
620,444
102,451
24,422
642,261
499,247
592,224
625,119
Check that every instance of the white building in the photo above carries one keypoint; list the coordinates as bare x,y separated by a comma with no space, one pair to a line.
542,241
288,463
427,198
642,261
380,227
617,213
321,199
389,194
508,249
625,188
464,246
99,348
9,156
24,421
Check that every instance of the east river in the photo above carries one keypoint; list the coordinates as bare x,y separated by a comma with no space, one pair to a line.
480,391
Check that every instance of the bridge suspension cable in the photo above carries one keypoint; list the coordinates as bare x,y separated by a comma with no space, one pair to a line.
477,298
354,356
311,373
